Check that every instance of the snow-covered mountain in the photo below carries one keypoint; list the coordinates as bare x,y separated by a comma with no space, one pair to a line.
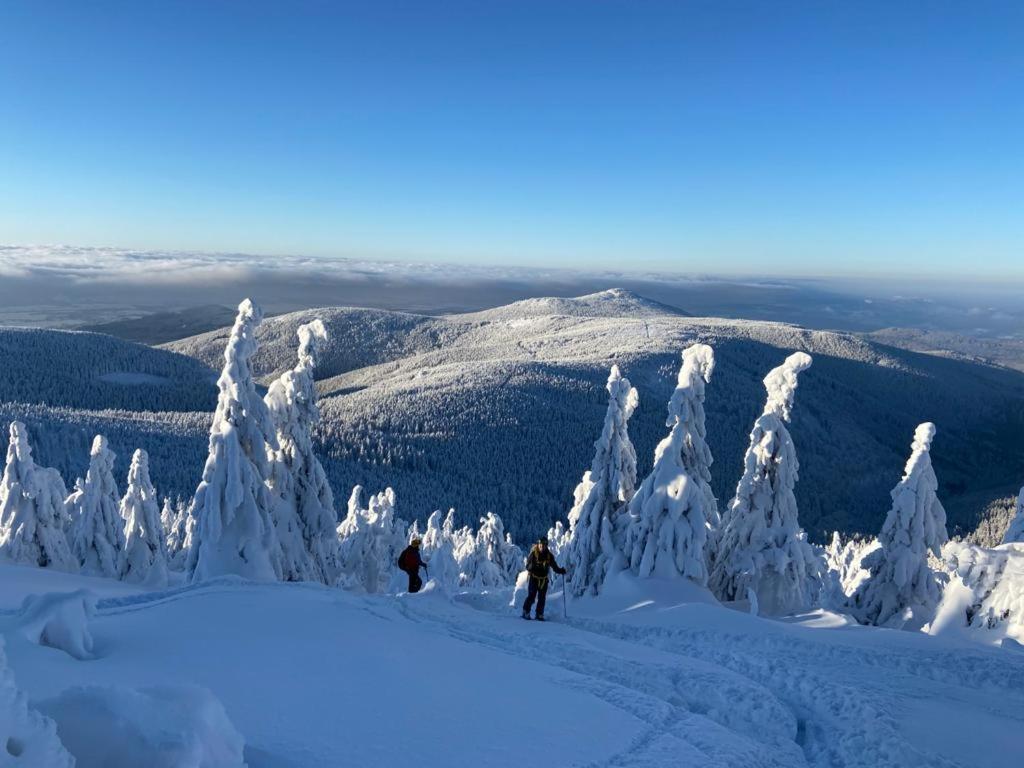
498,410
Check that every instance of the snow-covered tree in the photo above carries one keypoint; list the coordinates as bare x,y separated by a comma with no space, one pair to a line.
902,586
674,508
493,560
603,492
1015,533
762,553
32,524
179,530
371,541
98,529
145,550
844,559
293,408
234,531
558,538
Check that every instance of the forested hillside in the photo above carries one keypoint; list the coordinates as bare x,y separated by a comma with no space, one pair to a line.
498,410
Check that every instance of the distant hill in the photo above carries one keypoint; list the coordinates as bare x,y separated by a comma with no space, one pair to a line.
160,327
498,410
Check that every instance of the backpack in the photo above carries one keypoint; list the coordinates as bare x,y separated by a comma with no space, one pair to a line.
405,559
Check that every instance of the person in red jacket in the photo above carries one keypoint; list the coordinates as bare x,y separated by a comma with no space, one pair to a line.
539,563
411,562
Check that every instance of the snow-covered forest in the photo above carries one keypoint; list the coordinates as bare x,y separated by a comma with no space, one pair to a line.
265,510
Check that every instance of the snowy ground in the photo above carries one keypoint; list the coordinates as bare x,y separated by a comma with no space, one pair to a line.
312,676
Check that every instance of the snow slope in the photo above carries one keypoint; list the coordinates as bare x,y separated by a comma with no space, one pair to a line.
311,676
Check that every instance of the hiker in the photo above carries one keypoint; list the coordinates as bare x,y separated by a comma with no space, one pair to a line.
538,564
411,562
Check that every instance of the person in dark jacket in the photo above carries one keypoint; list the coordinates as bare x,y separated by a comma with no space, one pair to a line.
411,562
539,563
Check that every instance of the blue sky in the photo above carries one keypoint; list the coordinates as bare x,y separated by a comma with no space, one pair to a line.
769,137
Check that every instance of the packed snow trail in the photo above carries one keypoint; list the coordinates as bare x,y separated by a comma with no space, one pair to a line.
315,676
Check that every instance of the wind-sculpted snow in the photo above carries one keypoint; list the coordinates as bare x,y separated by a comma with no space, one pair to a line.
499,410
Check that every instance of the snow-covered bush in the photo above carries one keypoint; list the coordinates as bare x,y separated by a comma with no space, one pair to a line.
59,620
371,539
902,588
844,560
97,526
1015,532
293,408
32,514
27,738
145,550
994,577
159,727
558,537
761,551
234,531
492,560
603,493
179,526
674,508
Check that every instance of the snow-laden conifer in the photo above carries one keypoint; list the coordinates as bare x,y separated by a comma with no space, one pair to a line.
32,515
674,508
145,559
902,586
762,553
493,560
1015,533
293,407
603,492
371,539
234,531
97,526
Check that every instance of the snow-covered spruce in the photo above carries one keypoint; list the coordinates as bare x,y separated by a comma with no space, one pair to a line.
97,526
370,541
762,553
844,560
558,534
145,560
672,511
493,560
234,531
293,408
27,738
1015,532
994,581
32,515
603,492
902,587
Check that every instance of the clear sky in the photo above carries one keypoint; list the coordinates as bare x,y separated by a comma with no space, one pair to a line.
793,137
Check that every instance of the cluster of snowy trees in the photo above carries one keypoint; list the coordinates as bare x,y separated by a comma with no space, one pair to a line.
265,510
755,550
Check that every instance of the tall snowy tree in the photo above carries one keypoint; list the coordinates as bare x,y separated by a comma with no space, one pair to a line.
98,529
603,492
762,553
671,513
492,560
902,586
145,546
32,525
234,531
371,540
293,408
1015,533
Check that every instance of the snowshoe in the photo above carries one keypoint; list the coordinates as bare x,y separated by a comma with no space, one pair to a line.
526,615
540,618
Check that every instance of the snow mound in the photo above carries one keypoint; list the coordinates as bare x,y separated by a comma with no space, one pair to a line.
60,621
159,727
27,738
985,598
